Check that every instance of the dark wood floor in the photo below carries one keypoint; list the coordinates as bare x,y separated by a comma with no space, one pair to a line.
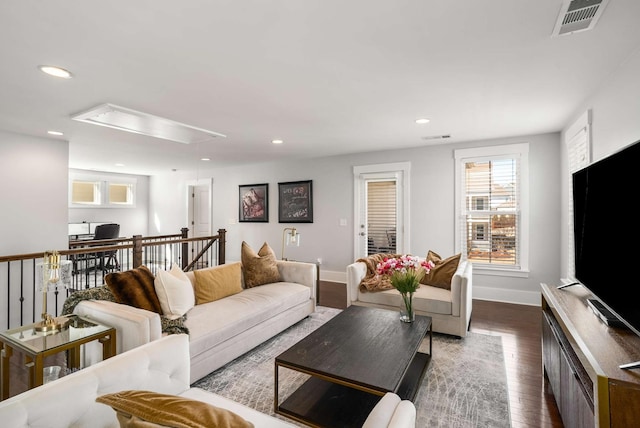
519,326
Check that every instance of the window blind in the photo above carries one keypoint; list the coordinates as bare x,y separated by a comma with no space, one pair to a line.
491,210
381,216
120,194
85,192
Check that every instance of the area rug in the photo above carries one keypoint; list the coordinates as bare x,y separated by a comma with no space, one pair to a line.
465,384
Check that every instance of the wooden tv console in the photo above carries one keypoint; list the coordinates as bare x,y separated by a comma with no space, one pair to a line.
581,356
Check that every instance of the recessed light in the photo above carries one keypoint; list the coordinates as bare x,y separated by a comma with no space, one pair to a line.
205,159
422,121
277,141
58,133
55,71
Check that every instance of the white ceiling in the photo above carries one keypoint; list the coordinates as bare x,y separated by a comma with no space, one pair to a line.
328,77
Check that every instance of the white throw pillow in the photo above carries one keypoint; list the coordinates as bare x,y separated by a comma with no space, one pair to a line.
175,292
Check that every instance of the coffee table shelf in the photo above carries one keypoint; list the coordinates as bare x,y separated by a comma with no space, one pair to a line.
353,360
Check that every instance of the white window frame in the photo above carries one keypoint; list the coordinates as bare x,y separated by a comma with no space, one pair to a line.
578,141
462,156
103,183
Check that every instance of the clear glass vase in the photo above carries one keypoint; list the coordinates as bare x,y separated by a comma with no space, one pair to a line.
406,308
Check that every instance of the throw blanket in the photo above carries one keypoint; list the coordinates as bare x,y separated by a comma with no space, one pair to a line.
372,281
102,292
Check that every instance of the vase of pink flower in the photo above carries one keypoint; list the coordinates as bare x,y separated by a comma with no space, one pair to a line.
405,273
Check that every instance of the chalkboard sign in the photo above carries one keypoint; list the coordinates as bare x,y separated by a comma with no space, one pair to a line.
295,204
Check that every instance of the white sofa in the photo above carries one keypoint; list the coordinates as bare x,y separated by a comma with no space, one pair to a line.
222,330
160,366
450,310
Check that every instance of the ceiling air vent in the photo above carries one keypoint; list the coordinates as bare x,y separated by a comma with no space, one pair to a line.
578,15
138,122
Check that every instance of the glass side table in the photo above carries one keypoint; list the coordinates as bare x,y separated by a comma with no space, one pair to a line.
37,345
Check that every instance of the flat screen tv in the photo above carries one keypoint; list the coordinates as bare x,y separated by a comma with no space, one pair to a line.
607,233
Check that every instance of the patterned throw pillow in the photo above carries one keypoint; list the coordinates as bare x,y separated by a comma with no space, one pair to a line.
259,268
135,287
440,275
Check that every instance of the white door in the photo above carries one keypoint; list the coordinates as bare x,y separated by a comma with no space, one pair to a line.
199,210
381,210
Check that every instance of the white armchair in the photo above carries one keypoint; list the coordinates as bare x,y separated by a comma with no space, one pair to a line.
450,310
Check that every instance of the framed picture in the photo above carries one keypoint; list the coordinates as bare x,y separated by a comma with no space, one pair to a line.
295,202
254,203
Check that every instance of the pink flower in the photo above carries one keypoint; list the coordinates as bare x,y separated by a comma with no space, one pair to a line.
403,264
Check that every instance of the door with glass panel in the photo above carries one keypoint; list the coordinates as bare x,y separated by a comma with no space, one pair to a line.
379,212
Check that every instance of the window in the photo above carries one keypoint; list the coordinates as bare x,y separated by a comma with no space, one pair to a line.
101,192
85,192
479,232
479,202
120,194
491,201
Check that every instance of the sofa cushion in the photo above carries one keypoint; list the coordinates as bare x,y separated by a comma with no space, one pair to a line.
259,268
137,408
214,284
238,313
135,287
441,274
174,291
426,299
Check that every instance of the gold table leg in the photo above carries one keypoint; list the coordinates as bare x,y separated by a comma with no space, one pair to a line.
6,353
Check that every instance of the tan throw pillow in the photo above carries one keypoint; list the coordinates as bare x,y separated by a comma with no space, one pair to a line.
175,292
218,282
147,409
259,268
440,275
134,287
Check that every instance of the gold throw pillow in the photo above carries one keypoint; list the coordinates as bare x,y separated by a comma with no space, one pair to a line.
218,282
138,408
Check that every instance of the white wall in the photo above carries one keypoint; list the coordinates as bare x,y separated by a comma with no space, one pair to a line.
168,201
431,206
132,221
33,189
615,112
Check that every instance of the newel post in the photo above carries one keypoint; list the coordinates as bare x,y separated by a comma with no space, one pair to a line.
137,251
185,247
222,244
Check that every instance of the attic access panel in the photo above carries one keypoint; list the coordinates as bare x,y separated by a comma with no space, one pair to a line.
138,122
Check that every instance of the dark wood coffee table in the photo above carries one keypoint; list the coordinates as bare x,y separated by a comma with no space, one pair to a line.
354,359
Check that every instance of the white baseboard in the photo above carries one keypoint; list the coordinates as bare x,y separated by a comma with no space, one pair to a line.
531,298
333,276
